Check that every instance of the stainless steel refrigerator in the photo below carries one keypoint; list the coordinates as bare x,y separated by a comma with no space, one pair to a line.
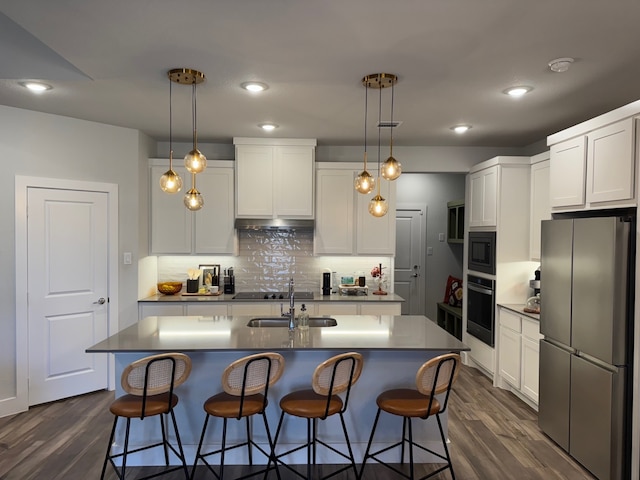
586,317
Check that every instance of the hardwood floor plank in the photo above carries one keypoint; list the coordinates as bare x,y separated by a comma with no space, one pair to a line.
493,436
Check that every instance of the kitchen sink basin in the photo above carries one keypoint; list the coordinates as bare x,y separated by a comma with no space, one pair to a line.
284,322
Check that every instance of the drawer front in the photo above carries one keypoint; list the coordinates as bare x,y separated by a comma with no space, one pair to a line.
531,329
510,320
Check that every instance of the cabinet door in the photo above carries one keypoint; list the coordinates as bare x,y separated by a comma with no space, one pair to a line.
294,181
509,356
484,197
255,309
254,181
337,308
376,235
567,173
380,308
540,206
160,309
215,232
610,163
530,367
334,212
207,309
171,223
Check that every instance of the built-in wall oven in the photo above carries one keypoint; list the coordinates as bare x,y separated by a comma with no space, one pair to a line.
481,308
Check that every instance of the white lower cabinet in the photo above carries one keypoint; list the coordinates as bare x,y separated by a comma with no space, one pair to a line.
165,309
519,354
270,309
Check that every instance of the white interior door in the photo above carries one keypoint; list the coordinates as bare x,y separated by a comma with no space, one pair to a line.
408,275
67,250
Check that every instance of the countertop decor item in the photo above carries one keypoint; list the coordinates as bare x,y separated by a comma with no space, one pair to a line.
376,272
169,288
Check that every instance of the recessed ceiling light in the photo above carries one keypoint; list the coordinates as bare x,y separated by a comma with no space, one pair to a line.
255,86
560,65
268,127
518,91
36,87
460,129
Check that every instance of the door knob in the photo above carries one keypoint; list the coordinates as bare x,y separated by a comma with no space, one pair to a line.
415,275
100,301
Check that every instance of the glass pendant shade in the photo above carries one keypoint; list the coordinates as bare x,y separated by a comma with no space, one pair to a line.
170,182
195,161
193,200
365,183
391,169
378,206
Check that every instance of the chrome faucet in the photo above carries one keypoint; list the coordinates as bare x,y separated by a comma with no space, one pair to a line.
292,309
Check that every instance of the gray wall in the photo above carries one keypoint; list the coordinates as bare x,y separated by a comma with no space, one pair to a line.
42,145
435,190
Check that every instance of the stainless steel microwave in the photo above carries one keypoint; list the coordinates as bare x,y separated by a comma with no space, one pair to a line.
482,252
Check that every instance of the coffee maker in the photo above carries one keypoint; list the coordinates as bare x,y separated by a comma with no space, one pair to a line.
535,283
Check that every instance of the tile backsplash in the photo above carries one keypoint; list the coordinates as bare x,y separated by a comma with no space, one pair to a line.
267,259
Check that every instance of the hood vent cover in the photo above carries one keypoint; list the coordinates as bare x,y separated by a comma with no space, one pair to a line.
273,224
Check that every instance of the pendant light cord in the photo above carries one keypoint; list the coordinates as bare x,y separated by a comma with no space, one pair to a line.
366,114
379,113
391,126
194,113
170,126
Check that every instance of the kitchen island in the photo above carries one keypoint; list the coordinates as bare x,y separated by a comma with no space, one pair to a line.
393,348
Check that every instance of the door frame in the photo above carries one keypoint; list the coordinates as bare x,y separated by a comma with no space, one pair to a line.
22,183
422,280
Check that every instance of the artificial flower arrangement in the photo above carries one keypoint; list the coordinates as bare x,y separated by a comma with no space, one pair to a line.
376,272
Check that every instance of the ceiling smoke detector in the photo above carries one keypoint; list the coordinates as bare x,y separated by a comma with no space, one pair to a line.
560,65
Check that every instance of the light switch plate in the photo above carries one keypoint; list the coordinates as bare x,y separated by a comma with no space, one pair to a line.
127,258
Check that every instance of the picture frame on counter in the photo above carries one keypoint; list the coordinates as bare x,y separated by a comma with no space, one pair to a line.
210,275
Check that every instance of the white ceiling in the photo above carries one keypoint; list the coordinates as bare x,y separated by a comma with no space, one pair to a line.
108,60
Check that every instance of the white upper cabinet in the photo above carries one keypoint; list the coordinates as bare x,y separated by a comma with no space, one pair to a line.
594,170
540,204
275,178
334,212
610,163
483,186
176,230
344,225
567,172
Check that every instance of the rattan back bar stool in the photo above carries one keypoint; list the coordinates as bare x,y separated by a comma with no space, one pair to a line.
245,384
435,377
149,383
331,378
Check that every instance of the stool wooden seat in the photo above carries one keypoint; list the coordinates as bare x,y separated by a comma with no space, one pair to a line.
246,384
434,377
331,378
149,383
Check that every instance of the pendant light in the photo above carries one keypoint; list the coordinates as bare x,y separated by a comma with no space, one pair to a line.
193,199
391,168
378,206
365,183
170,181
194,161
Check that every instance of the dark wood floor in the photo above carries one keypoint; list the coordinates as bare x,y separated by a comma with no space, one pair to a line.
493,436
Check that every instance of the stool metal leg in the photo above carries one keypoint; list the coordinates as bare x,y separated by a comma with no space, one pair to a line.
204,429
366,453
107,457
346,437
410,447
404,436
446,449
164,440
248,442
180,449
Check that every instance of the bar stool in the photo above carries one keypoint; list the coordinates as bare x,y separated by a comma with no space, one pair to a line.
149,383
434,377
246,384
332,377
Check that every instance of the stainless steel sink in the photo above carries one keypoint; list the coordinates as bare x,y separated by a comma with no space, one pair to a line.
284,322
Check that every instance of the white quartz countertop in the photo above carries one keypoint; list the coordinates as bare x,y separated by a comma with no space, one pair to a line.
228,298
223,333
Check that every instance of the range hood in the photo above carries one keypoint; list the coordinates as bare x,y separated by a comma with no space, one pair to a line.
273,224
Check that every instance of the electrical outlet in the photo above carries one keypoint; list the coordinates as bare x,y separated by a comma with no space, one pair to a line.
441,237
429,250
